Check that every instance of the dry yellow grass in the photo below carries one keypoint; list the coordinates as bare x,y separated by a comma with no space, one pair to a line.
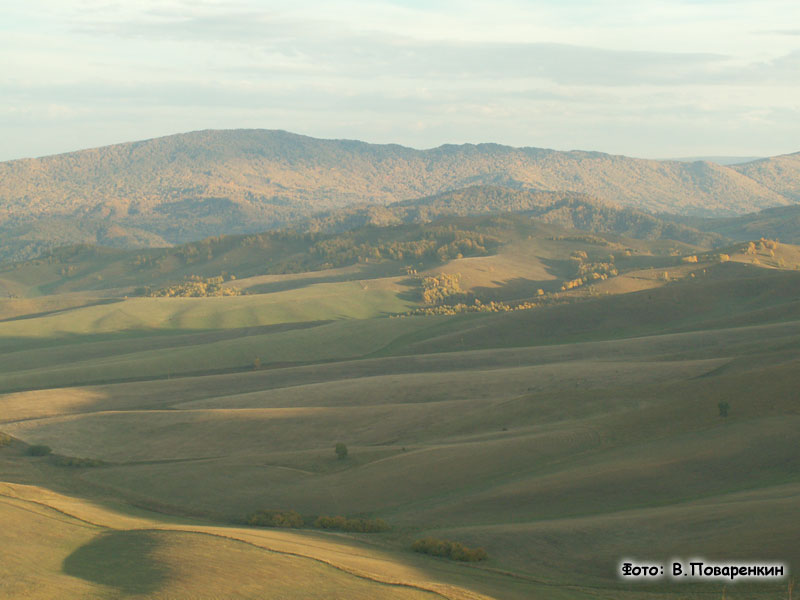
71,548
559,438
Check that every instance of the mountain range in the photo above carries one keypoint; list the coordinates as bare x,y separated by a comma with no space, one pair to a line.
189,186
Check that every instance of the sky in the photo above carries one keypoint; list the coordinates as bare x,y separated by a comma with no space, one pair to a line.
647,78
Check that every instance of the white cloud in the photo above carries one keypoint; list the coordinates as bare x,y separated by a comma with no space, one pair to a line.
646,77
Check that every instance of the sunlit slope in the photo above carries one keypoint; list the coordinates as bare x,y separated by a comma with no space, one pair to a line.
66,548
139,338
347,300
95,336
726,295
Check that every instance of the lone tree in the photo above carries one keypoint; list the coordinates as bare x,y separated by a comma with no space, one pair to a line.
341,451
39,450
724,407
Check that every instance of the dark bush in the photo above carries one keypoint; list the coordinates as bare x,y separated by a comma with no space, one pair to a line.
276,518
447,549
356,525
39,450
341,451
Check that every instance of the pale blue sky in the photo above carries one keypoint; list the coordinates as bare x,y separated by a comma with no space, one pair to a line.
644,78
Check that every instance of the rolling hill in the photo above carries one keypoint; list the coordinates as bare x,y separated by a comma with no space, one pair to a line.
560,438
362,249
189,186
571,210
782,223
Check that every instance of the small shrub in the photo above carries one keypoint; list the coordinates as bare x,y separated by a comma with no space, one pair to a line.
447,549
276,518
341,451
356,525
39,450
724,408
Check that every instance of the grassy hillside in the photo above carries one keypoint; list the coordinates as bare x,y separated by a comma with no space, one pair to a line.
585,427
190,186
365,252
73,548
554,458
782,223
93,268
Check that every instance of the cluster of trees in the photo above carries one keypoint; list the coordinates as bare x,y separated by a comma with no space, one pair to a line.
356,525
57,459
441,288
447,549
586,239
293,520
148,261
763,245
190,253
475,306
587,271
572,283
276,518
194,287
431,244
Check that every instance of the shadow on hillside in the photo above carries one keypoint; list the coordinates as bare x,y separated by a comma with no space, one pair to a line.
413,291
49,313
368,271
120,559
147,339
522,288
559,268
517,288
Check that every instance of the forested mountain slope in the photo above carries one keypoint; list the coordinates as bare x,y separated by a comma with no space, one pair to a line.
189,186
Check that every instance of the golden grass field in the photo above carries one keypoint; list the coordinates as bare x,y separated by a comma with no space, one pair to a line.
561,439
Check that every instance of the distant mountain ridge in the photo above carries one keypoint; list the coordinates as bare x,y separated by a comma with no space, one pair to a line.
720,160
189,186
565,209
780,223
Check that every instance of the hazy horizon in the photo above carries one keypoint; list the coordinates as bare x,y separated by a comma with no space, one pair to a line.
649,79
720,159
